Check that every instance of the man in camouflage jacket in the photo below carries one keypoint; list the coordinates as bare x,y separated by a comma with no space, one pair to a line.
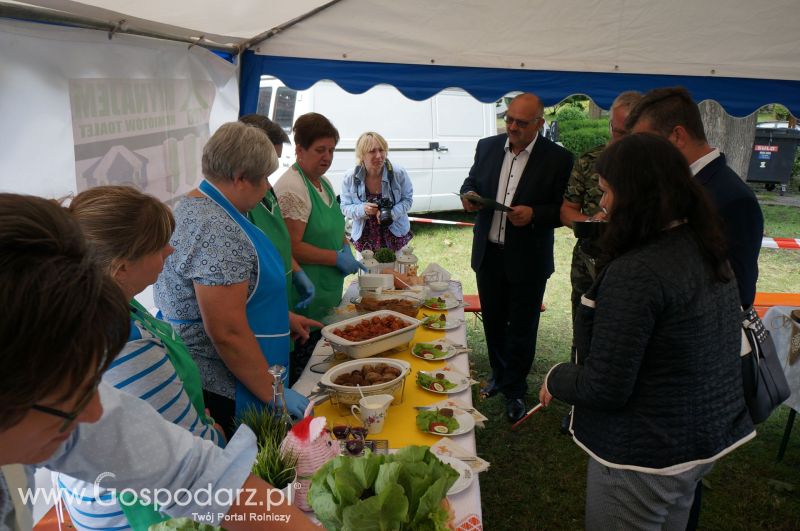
583,190
582,196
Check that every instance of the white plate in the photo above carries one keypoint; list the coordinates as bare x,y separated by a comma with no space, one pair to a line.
466,423
447,349
449,324
461,381
465,473
450,302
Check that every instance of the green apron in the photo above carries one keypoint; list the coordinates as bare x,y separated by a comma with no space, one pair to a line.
325,229
140,516
267,216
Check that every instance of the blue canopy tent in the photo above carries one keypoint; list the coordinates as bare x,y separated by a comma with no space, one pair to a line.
740,53
739,96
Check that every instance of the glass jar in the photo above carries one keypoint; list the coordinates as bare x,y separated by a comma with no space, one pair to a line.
368,260
406,262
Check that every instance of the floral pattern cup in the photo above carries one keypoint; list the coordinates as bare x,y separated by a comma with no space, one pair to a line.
371,411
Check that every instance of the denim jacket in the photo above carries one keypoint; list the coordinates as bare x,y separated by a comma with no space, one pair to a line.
354,195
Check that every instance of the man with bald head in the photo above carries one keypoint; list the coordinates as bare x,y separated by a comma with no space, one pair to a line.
512,252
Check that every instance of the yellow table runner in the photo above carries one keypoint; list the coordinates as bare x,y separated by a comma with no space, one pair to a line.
400,427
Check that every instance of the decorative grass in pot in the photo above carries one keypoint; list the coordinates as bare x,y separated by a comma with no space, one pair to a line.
273,465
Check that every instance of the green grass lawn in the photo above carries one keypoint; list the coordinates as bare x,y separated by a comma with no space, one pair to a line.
537,477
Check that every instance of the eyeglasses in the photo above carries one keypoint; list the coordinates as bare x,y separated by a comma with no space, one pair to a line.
70,417
616,132
522,124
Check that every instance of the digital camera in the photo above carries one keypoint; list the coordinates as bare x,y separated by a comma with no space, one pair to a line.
385,211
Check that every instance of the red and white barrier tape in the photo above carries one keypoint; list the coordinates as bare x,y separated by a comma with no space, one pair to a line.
767,243
780,243
442,222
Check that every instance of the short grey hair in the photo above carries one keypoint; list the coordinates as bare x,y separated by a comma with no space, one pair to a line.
238,148
627,100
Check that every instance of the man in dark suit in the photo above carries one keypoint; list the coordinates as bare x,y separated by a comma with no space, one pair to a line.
671,113
512,252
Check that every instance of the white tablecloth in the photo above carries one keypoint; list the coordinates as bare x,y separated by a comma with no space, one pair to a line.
778,321
468,501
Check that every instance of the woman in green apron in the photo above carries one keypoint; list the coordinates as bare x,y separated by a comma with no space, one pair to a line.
130,231
267,216
313,217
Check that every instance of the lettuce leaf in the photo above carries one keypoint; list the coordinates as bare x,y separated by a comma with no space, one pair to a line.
419,348
402,491
425,380
426,417
382,512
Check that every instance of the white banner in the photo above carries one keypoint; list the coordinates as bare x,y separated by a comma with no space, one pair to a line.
81,110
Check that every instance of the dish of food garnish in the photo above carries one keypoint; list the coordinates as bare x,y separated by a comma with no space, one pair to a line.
442,382
445,421
433,351
442,302
440,322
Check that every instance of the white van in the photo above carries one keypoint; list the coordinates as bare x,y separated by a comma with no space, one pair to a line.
434,140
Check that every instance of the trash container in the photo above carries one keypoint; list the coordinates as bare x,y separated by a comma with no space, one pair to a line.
772,156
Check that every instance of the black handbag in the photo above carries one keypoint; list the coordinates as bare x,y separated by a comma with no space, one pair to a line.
765,386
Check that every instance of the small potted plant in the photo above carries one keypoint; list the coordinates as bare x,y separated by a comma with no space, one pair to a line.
386,258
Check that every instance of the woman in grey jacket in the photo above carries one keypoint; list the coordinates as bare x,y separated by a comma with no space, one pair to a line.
657,390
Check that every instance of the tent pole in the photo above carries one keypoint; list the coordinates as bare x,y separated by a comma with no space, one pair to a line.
261,37
47,16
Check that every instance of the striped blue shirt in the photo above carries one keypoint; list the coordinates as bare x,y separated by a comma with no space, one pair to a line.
144,370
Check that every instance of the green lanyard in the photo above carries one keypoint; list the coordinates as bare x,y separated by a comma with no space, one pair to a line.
178,354
141,516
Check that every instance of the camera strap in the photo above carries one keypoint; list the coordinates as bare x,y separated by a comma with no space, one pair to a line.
390,172
390,175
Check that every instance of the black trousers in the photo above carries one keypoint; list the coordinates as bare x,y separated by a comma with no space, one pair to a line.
223,409
298,358
510,320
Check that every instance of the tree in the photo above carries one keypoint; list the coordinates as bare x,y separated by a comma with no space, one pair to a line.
594,111
733,136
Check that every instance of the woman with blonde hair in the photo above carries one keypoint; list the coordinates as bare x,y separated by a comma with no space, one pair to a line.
130,233
377,196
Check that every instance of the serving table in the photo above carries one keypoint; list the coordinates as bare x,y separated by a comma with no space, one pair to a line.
400,427
778,320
